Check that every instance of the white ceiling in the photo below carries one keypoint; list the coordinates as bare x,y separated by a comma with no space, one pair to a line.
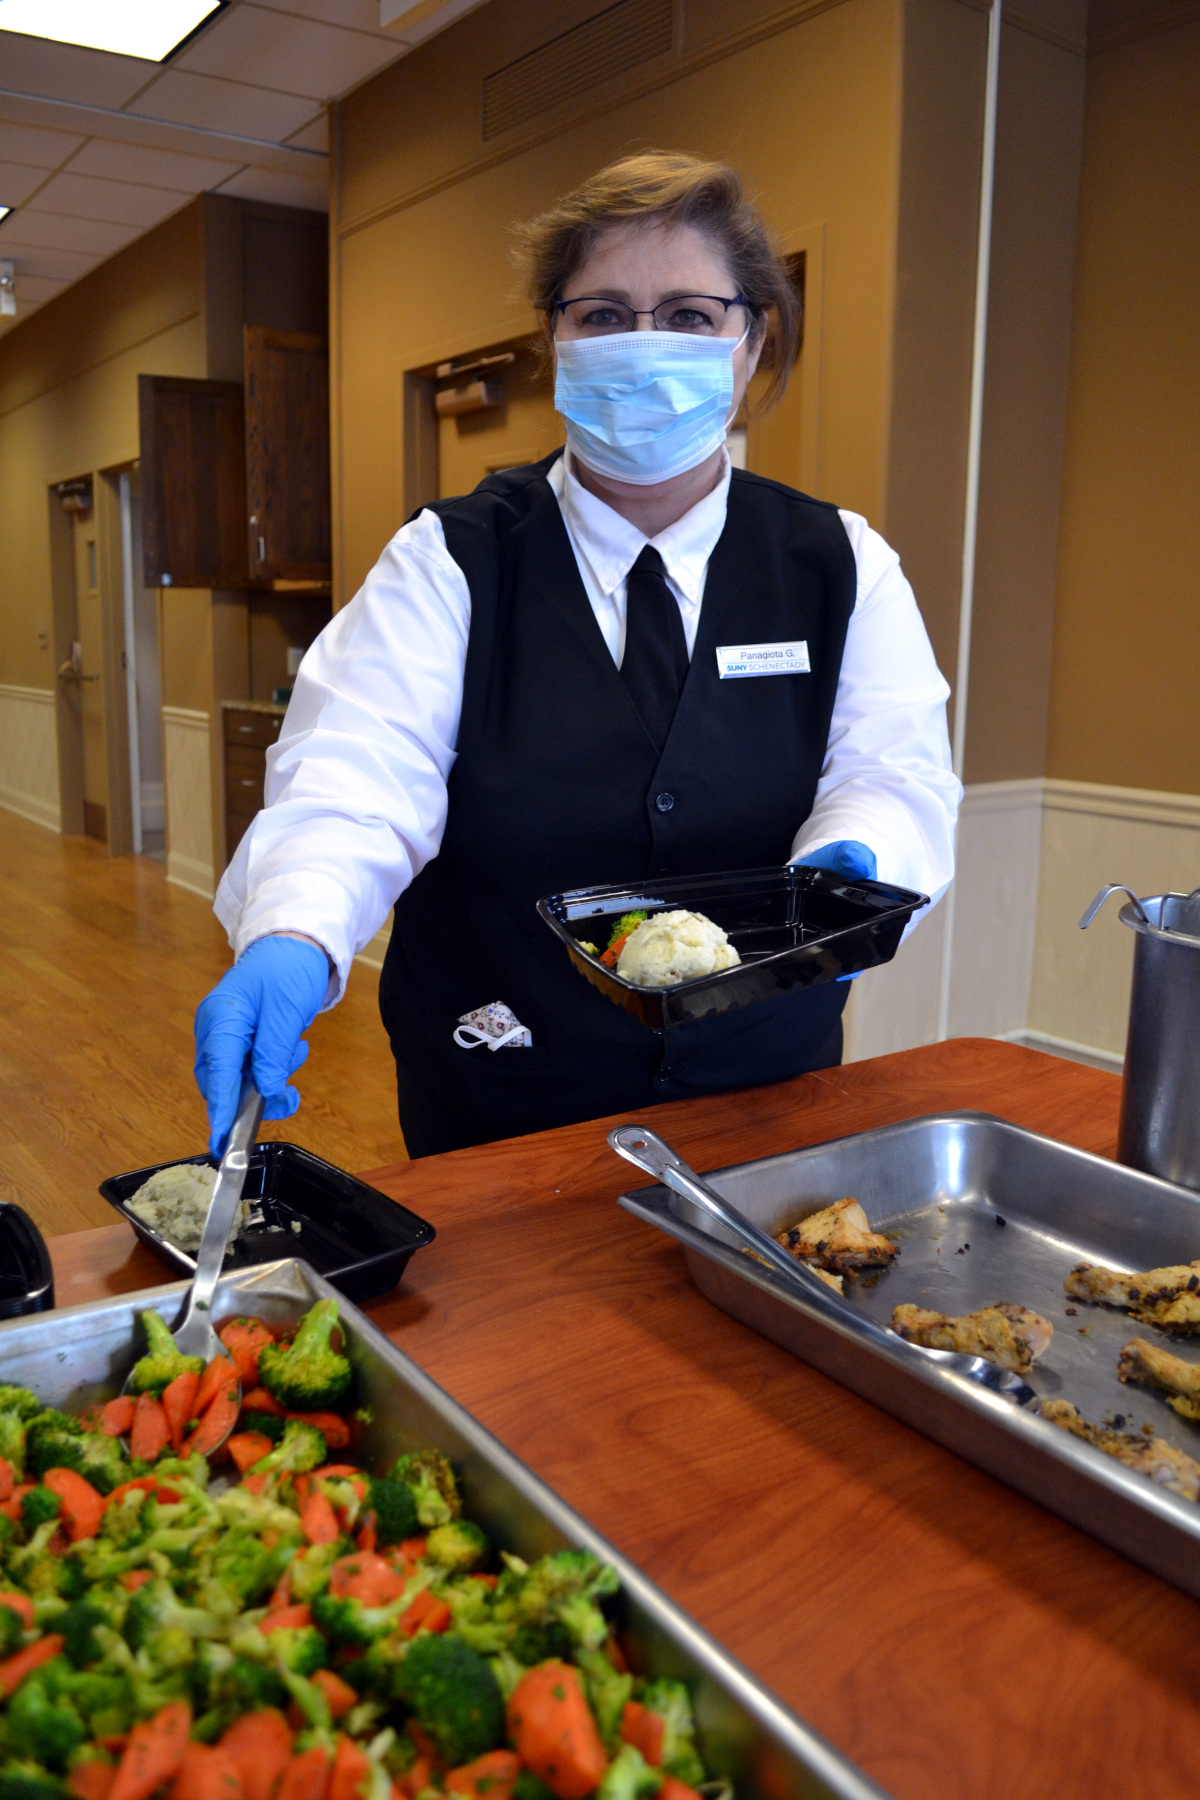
97,148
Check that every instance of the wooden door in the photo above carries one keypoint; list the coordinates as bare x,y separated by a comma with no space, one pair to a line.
193,460
287,455
88,672
523,428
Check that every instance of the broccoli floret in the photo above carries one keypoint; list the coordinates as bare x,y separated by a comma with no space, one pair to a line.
12,1628
246,1569
455,1696
266,1424
77,1627
192,1469
163,1360
307,1375
103,1699
38,1505
628,1776
20,1400
300,1449
458,1546
561,1588
310,1570
299,1649
529,1786
671,1701
248,1686
47,1731
395,1509
349,1621
155,1609
26,1781
43,1573
435,1490
624,925
12,1442
55,1441
533,1644
608,1692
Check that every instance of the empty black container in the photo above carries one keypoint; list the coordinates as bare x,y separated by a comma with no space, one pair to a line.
350,1233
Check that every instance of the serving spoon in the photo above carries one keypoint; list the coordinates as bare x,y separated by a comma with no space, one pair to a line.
193,1329
650,1153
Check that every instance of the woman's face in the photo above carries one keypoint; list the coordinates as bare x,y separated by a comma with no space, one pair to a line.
643,265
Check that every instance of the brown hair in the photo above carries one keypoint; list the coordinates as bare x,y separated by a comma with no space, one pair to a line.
669,187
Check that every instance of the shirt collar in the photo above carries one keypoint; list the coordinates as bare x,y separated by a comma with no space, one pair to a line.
611,545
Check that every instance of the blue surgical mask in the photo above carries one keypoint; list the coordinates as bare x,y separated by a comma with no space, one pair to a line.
642,406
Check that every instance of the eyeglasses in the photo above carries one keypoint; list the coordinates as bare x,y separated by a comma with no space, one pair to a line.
700,315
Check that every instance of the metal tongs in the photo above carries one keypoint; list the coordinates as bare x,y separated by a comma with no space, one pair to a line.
647,1151
193,1330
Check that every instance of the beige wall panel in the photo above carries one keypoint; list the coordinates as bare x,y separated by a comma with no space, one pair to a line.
1038,150
187,778
1127,627
809,114
29,755
185,648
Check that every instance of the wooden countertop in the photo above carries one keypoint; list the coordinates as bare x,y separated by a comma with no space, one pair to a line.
950,1636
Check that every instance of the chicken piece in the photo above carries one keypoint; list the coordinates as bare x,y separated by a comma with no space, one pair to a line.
832,1281
1167,1297
1151,1456
1006,1334
839,1239
1155,1367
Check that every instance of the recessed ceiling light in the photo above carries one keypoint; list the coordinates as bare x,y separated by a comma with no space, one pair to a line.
147,28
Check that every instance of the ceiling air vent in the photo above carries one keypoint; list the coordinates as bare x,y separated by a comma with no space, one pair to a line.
607,44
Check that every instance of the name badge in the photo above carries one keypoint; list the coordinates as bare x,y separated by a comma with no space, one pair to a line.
736,660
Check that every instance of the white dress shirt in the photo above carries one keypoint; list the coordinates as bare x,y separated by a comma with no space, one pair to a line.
356,783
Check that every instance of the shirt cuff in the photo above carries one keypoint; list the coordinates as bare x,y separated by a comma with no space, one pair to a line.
319,912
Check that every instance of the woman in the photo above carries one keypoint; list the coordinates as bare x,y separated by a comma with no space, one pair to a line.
528,695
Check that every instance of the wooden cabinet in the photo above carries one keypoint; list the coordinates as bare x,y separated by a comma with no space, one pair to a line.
193,465
287,455
249,733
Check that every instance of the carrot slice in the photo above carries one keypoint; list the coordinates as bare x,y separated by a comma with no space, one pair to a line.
261,1746
248,1447
92,1780
645,1730
221,1372
153,1753
674,1789
207,1773
340,1695
133,1579
551,1725
179,1404
11,1508
151,1431
332,1427
21,1604
14,1670
284,1618
318,1521
82,1506
116,1416
281,1595
489,1777
366,1577
216,1423
258,1400
245,1340
351,1767
306,1777
424,1613
8,1479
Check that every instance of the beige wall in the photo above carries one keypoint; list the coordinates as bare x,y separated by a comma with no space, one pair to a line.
422,268
1126,674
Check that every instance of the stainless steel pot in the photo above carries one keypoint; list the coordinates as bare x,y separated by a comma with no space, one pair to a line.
1160,1102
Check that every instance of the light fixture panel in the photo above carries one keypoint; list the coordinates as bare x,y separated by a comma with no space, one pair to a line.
150,29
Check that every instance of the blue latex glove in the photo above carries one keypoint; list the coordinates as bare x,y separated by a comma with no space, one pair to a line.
256,1013
849,858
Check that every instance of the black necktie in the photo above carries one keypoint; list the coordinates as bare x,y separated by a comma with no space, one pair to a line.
655,665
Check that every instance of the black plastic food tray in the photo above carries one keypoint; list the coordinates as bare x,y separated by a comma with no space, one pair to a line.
26,1278
792,927
350,1233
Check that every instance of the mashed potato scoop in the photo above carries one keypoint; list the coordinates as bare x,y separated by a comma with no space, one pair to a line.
674,946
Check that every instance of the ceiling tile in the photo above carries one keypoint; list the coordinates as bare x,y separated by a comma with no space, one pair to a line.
58,231
314,135
252,112
280,190
31,144
115,202
353,15
18,181
55,265
67,72
298,56
154,168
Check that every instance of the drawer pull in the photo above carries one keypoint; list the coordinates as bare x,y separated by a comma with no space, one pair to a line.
245,783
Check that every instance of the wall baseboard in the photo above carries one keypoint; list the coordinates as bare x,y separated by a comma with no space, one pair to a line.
1056,1046
29,755
190,873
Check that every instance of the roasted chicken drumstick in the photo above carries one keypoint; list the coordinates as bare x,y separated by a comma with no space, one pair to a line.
840,1239
1169,1297
1006,1334
1155,1367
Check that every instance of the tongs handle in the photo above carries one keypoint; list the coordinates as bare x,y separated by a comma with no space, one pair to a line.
1113,887
196,1318
647,1151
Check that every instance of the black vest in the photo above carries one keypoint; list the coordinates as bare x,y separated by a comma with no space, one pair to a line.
557,785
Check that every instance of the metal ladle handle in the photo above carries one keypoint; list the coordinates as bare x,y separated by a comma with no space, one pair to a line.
1114,887
193,1331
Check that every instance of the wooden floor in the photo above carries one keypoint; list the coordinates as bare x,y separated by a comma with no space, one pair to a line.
102,965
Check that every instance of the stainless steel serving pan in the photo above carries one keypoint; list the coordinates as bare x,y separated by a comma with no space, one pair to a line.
983,1211
81,1354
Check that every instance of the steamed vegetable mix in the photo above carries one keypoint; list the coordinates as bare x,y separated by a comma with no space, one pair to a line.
267,1620
616,941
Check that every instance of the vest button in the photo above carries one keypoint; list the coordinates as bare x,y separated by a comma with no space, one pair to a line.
664,802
